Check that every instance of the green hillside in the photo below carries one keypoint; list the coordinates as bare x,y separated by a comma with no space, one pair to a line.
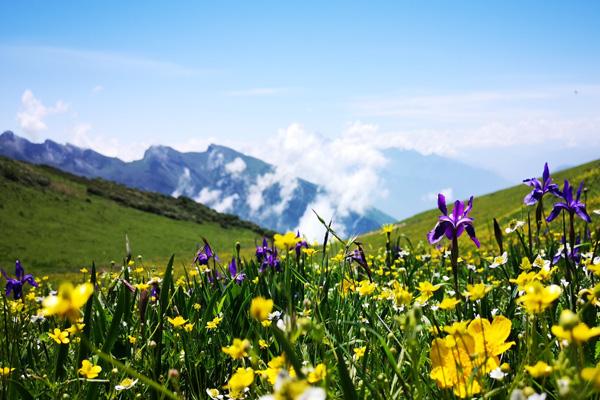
504,205
57,222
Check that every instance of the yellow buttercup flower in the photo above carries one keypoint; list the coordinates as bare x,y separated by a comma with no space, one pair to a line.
366,287
386,229
260,308
592,375
477,291
60,337
188,327
318,374
89,370
286,241
68,302
238,349
263,344
359,352
538,297
580,333
5,371
177,322
461,359
214,323
448,303
75,328
540,369
239,381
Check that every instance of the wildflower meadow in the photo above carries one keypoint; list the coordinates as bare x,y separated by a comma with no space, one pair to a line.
451,316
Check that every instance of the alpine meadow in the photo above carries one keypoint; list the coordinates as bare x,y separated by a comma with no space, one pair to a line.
271,200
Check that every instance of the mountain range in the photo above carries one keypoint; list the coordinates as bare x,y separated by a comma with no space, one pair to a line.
229,181
221,178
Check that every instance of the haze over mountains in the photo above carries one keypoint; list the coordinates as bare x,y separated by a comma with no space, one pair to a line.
229,181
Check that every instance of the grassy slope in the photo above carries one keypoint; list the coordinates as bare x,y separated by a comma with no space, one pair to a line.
53,222
504,205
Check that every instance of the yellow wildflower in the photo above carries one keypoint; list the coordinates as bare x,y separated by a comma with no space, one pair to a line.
386,229
214,323
5,371
359,352
318,374
75,328
188,327
177,322
448,303
477,291
366,287
126,384
68,302
580,333
132,339
592,375
309,252
238,349
239,381
263,344
540,369
537,297
89,370
427,288
60,337
286,241
461,359
260,308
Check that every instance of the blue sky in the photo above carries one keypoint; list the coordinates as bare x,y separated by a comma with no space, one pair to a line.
504,85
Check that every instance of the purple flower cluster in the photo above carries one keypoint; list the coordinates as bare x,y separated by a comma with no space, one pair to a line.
267,257
15,285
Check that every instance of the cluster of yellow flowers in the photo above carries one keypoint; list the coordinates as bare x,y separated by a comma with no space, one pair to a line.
469,352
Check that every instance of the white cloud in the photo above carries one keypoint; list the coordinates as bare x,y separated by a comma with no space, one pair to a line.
212,199
33,112
226,204
453,123
347,167
207,196
236,166
311,227
287,182
97,89
432,196
184,184
82,135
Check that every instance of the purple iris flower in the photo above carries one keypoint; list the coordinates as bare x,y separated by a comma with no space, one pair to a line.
233,271
15,285
300,244
267,257
540,188
570,204
454,224
204,255
261,251
566,251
